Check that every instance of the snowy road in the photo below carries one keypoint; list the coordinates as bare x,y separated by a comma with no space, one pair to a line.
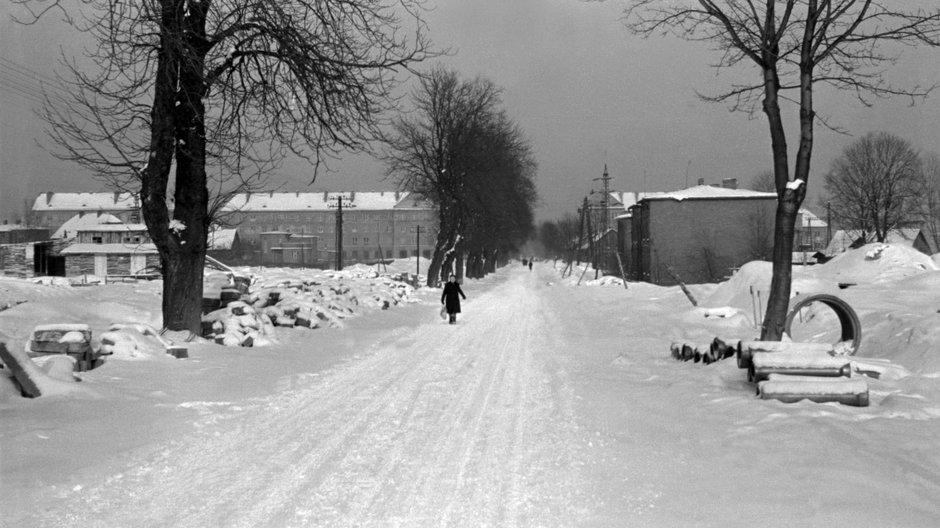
547,405
466,425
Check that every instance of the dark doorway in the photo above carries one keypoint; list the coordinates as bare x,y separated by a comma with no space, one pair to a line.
46,263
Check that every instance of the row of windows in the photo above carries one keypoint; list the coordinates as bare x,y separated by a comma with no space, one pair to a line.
366,254
318,229
347,217
124,240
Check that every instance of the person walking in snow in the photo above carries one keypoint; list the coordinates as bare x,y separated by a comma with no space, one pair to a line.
451,298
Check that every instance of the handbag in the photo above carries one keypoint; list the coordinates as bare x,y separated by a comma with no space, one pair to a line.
443,312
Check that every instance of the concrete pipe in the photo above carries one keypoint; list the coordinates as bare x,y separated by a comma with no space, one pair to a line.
797,363
746,349
789,389
848,319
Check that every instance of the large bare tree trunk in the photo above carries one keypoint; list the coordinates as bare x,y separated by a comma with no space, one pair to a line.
178,115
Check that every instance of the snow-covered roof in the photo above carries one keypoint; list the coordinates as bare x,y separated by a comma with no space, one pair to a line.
811,220
709,192
84,201
100,249
318,201
630,198
221,239
83,220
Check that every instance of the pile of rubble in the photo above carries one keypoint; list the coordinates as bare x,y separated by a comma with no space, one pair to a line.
246,315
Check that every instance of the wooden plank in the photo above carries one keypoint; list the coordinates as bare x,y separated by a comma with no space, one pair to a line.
23,369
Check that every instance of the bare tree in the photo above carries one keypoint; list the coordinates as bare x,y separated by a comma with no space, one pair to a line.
763,181
930,196
796,46
758,232
176,91
467,157
875,184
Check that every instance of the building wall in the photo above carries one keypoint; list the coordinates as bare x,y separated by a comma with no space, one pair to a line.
364,232
118,264
20,235
703,240
19,259
113,237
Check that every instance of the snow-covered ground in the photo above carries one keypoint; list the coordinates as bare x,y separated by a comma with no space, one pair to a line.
548,404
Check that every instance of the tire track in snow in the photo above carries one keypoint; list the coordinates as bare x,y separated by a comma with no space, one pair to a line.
452,430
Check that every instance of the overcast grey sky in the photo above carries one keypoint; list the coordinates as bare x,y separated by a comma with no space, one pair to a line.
584,89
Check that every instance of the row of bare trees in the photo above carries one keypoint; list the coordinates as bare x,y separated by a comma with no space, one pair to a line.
460,150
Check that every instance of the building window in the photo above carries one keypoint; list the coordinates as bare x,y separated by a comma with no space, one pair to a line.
355,255
319,229
403,254
365,241
355,241
388,253
96,240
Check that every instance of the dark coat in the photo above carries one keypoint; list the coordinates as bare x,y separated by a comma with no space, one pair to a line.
451,297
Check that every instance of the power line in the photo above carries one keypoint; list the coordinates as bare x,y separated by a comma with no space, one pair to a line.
19,80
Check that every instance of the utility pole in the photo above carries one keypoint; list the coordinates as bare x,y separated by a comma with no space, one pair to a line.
417,252
605,222
339,228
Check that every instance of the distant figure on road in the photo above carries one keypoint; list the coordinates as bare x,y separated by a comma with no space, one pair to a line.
530,264
451,298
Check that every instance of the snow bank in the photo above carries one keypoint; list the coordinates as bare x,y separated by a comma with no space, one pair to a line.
875,263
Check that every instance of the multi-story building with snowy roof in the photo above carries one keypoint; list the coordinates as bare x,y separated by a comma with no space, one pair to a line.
376,225
52,209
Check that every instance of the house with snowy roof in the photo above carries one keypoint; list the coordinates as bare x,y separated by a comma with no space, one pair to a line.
111,249
811,232
698,234
376,225
912,237
52,209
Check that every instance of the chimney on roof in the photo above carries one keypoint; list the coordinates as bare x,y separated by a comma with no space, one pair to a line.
701,181
352,196
117,194
270,194
49,197
729,183
397,195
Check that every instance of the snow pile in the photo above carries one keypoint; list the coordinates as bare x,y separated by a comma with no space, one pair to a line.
395,267
132,342
605,280
875,263
585,274
741,290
